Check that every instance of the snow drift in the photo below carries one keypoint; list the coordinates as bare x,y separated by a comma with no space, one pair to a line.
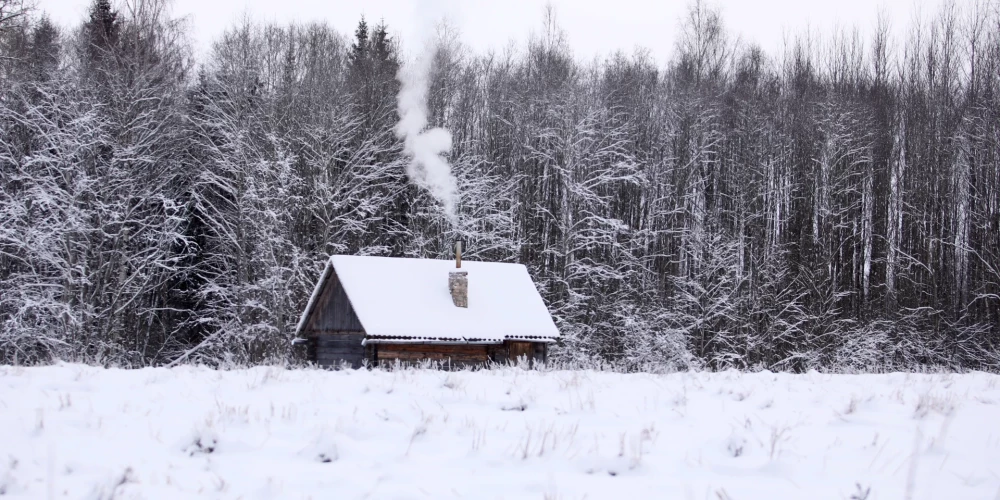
77,431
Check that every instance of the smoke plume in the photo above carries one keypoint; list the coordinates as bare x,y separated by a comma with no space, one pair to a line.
426,147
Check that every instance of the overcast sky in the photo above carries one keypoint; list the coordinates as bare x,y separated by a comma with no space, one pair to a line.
593,28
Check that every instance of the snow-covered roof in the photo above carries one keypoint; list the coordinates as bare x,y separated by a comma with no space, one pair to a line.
402,299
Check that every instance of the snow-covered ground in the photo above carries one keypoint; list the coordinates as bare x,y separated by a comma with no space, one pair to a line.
82,432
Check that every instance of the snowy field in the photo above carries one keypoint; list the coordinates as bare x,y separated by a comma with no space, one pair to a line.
81,432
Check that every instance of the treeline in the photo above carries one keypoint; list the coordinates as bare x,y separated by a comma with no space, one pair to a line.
834,206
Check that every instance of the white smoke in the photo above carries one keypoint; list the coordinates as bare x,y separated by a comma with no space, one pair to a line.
426,147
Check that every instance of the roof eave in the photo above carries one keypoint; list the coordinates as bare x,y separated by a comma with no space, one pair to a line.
376,340
327,271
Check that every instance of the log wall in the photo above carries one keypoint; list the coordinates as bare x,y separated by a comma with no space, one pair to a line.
453,356
532,352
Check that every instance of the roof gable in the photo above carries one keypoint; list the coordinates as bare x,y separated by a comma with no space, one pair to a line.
403,298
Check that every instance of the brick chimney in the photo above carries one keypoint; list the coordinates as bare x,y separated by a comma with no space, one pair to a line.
458,281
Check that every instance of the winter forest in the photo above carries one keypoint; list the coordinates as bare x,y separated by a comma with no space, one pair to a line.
834,206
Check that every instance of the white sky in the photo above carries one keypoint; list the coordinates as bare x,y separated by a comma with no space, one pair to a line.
593,28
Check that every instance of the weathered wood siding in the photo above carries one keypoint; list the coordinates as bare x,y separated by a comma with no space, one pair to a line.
333,311
332,349
532,352
344,348
453,356
497,353
541,352
516,350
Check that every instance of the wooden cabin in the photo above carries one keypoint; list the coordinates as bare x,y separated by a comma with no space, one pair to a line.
380,310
